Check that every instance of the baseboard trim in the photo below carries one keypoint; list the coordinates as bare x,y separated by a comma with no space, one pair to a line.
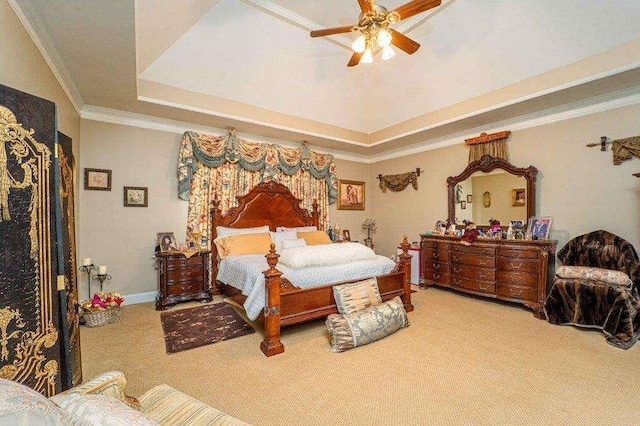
134,299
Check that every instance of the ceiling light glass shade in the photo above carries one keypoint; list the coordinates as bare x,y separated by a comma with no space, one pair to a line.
367,57
387,53
384,38
359,45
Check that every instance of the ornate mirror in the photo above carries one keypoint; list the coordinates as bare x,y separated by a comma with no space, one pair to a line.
492,188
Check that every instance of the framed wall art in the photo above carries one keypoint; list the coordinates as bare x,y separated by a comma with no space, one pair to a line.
469,198
519,197
350,195
136,196
97,179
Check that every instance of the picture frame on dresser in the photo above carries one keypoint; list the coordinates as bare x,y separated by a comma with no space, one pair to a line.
539,227
167,242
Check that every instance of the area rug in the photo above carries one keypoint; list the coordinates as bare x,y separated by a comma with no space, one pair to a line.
203,325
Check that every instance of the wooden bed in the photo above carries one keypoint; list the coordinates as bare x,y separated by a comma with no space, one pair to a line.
272,204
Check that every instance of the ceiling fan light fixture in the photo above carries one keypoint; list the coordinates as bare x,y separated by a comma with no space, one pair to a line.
384,38
388,53
367,57
359,45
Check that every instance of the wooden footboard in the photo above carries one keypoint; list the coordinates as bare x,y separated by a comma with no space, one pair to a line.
286,304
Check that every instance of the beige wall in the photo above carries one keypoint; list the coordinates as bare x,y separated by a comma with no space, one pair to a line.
123,238
22,67
580,187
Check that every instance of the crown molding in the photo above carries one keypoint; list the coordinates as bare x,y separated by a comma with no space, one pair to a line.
114,116
40,37
579,109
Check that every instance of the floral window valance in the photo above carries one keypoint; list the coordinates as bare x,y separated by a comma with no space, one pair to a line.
268,159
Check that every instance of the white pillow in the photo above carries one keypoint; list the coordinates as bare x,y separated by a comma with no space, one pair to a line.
279,237
298,242
298,229
222,231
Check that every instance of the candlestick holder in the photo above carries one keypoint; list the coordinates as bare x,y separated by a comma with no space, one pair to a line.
88,269
101,279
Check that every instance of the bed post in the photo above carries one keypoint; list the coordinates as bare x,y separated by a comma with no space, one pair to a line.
315,214
216,215
271,344
405,261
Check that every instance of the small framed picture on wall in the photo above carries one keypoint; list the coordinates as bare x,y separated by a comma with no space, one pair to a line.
136,196
97,179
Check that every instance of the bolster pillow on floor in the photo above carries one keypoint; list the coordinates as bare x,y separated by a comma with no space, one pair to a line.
368,325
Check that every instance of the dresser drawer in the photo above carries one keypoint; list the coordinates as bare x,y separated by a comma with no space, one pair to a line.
186,287
480,251
439,277
517,292
184,274
519,278
518,253
478,286
519,265
182,262
440,255
434,245
466,271
472,259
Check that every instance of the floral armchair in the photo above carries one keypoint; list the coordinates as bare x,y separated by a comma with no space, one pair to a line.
597,287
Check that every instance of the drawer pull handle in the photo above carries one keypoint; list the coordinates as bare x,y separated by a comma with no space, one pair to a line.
185,273
484,275
516,280
436,276
456,259
457,270
484,287
436,255
185,287
483,262
486,252
517,293
457,282
516,266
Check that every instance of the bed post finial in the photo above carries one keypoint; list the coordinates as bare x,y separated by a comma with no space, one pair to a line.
405,264
271,345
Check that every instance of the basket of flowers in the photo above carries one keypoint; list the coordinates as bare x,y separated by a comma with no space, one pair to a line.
102,309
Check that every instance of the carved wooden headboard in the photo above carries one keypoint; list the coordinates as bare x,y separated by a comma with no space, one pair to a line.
268,203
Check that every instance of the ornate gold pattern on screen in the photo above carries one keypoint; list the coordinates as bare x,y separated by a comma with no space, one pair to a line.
34,158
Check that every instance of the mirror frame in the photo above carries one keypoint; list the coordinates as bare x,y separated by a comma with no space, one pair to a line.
486,164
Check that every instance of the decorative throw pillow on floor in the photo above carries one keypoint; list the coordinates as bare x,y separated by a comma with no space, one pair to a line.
356,296
366,326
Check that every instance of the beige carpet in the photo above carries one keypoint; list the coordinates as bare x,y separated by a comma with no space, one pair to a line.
463,360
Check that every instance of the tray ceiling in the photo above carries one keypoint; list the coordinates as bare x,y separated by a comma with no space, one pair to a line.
229,62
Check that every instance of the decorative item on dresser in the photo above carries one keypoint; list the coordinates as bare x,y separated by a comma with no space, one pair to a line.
181,278
512,270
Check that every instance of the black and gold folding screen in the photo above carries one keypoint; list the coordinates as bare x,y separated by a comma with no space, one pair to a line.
30,350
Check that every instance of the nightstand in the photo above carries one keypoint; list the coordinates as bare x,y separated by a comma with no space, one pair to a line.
181,279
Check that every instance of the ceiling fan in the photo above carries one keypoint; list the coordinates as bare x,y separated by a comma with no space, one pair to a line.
373,25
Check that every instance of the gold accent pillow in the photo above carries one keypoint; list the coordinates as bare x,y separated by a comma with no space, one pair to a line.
315,237
243,244
608,276
357,296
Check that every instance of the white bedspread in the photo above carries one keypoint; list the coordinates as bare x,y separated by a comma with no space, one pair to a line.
325,255
245,272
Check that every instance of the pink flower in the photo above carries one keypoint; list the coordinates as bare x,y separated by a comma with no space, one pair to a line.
98,302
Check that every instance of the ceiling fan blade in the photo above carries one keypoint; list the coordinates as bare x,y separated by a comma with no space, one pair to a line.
403,42
365,5
355,59
331,31
414,7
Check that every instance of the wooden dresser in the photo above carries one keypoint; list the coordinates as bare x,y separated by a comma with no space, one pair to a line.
512,270
181,279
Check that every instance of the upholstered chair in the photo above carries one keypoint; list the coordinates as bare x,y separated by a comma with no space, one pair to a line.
597,287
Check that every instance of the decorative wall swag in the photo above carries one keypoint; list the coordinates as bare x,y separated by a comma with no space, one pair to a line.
494,144
397,183
622,149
